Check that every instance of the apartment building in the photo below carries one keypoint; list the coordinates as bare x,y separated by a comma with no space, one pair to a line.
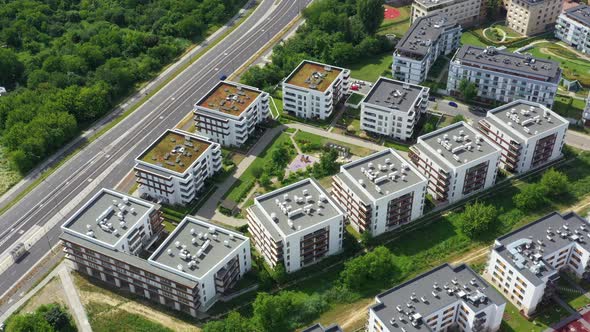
531,17
429,37
296,225
504,76
525,264
174,168
445,298
320,328
457,160
529,134
573,27
586,112
380,192
229,113
313,89
198,262
392,108
464,12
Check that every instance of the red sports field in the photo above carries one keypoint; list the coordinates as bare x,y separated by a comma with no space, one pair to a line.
390,13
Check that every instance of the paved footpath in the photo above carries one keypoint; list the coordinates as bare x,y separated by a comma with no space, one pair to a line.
73,298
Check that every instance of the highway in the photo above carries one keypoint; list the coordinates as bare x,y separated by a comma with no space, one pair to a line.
105,161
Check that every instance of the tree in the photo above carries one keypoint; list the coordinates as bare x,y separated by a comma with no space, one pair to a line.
428,127
11,68
492,8
57,317
374,268
477,219
265,181
366,238
467,89
234,322
279,273
327,165
531,197
370,12
286,310
31,322
555,183
457,118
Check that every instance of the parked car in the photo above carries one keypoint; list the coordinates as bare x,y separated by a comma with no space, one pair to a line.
222,77
477,110
453,104
431,98
354,87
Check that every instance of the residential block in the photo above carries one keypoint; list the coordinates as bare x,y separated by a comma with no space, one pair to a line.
464,12
573,27
531,17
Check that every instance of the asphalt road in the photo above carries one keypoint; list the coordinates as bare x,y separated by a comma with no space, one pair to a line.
104,162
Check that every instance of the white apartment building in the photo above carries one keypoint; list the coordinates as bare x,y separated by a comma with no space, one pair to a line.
429,37
586,112
529,134
392,108
320,328
573,27
380,192
195,265
531,17
229,112
504,76
464,12
525,264
296,225
174,168
457,160
445,298
313,89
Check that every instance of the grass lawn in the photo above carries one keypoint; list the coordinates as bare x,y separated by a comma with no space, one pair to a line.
447,120
569,294
103,319
515,322
370,68
8,177
398,26
569,107
302,138
573,68
355,98
397,146
276,106
469,38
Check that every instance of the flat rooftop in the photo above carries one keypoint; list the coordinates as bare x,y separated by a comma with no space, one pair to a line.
423,33
458,144
430,3
101,218
312,75
382,173
175,151
525,118
394,94
295,207
450,284
527,247
580,13
504,61
195,247
320,328
229,98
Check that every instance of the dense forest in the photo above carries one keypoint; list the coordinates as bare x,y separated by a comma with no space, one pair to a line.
68,62
337,32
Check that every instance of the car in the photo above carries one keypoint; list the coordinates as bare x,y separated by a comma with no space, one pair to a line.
431,98
354,87
222,77
453,104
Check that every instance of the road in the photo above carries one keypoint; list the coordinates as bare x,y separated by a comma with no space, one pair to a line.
105,161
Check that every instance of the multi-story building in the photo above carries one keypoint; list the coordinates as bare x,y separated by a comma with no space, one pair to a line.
531,17
192,267
464,12
313,89
457,160
529,134
573,27
320,328
504,76
174,168
229,112
392,108
429,37
296,225
525,264
586,112
380,192
445,297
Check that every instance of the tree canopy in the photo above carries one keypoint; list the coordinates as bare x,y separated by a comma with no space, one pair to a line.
370,13
477,219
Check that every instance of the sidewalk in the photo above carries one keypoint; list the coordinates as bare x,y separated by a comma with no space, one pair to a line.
73,298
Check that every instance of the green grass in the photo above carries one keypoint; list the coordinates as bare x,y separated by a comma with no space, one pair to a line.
316,143
569,107
355,98
397,146
8,176
372,67
398,26
276,106
573,67
103,318
569,294
469,38
515,322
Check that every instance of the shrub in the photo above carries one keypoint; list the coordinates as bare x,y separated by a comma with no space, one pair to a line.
477,219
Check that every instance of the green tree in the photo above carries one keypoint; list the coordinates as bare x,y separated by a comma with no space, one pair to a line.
467,89
373,269
31,322
370,13
59,319
477,219
279,273
11,68
428,127
555,183
531,197
234,322
286,310
457,118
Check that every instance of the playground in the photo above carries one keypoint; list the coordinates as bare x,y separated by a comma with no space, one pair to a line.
390,13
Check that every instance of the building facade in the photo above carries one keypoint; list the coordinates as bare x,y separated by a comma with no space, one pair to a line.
380,192
429,37
457,160
296,225
531,17
191,268
530,134
320,328
525,264
573,27
313,89
174,168
229,113
443,299
393,108
504,76
464,12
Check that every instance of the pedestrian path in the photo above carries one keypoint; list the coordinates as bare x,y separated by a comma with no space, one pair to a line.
73,298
